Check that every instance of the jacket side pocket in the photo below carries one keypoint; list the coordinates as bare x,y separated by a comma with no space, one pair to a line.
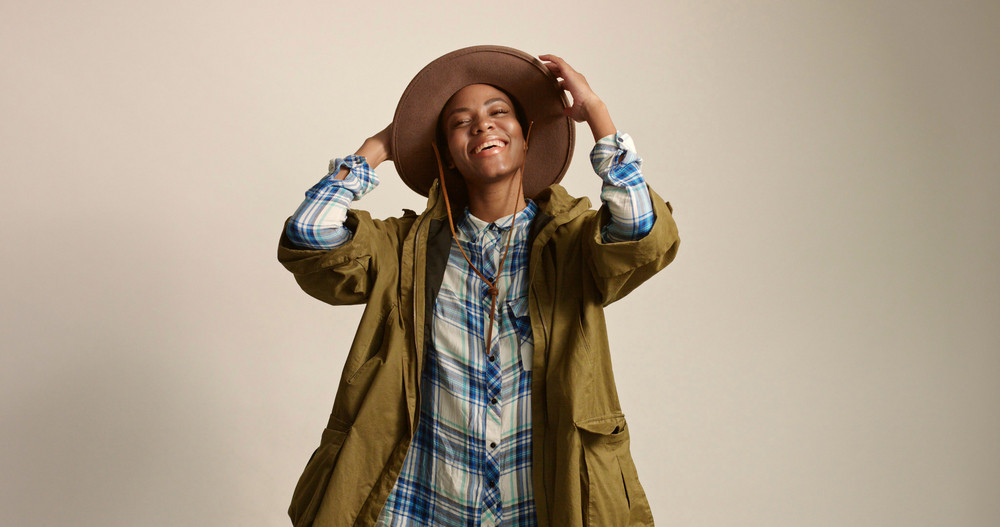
376,350
309,492
606,497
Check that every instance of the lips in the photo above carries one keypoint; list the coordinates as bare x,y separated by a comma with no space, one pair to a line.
488,147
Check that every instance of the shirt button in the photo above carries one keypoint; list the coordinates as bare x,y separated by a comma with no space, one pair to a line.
493,358
493,445
493,400
491,484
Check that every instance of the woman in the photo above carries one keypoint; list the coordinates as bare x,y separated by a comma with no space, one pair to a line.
478,389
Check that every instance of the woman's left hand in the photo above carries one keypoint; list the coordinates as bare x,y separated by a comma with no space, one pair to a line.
576,84
587,106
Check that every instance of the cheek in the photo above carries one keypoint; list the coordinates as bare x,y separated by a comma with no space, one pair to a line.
447,147
455,145
516,133
453,156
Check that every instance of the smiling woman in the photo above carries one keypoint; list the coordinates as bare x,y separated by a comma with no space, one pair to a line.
487,395
486,145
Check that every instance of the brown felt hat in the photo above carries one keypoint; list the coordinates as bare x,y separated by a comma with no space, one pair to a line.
524,77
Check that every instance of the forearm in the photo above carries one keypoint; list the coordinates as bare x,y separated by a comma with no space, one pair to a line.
599,119
375,150
623,190
318,223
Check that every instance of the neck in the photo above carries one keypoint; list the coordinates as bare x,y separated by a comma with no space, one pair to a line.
494,200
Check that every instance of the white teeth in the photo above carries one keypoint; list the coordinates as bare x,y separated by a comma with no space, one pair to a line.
495,142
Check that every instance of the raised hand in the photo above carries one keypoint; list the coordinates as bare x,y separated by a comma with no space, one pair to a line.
587,106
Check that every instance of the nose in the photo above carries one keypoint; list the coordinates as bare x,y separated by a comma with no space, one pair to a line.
483,124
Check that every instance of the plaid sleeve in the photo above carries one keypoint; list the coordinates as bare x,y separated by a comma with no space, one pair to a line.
318,223
624,189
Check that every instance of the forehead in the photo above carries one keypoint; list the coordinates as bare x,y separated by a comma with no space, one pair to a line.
474,95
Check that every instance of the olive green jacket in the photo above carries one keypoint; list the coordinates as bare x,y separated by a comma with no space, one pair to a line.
582,468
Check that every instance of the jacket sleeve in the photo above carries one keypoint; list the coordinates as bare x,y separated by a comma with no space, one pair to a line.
619,267
346,274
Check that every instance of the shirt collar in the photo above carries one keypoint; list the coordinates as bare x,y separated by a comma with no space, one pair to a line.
472,227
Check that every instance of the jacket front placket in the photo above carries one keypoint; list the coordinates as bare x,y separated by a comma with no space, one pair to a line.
415,297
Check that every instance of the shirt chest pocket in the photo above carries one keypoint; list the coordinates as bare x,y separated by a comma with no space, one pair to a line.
517,312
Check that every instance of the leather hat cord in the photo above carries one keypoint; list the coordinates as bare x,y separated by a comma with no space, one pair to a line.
494,291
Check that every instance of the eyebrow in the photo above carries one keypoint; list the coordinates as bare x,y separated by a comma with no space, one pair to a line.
487,103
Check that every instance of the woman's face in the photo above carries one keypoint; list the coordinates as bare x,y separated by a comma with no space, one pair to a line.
485,141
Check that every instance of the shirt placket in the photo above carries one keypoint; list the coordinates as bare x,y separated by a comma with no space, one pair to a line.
492,502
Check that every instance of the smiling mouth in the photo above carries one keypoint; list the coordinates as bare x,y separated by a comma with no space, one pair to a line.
489,147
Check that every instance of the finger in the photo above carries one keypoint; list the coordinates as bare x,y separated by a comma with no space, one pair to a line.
554,61
554,69
558,60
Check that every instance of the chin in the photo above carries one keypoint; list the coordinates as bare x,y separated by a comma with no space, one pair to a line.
486,179
495,174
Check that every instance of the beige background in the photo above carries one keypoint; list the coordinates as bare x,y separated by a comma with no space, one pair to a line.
824,351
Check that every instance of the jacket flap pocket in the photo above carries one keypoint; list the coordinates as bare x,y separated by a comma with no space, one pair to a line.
610,424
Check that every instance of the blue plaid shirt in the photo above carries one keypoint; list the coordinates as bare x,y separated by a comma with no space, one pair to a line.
469,463
470,460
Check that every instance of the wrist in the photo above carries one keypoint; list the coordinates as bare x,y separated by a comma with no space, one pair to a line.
374,150
599,119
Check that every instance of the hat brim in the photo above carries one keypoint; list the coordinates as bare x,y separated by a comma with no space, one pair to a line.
523,76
